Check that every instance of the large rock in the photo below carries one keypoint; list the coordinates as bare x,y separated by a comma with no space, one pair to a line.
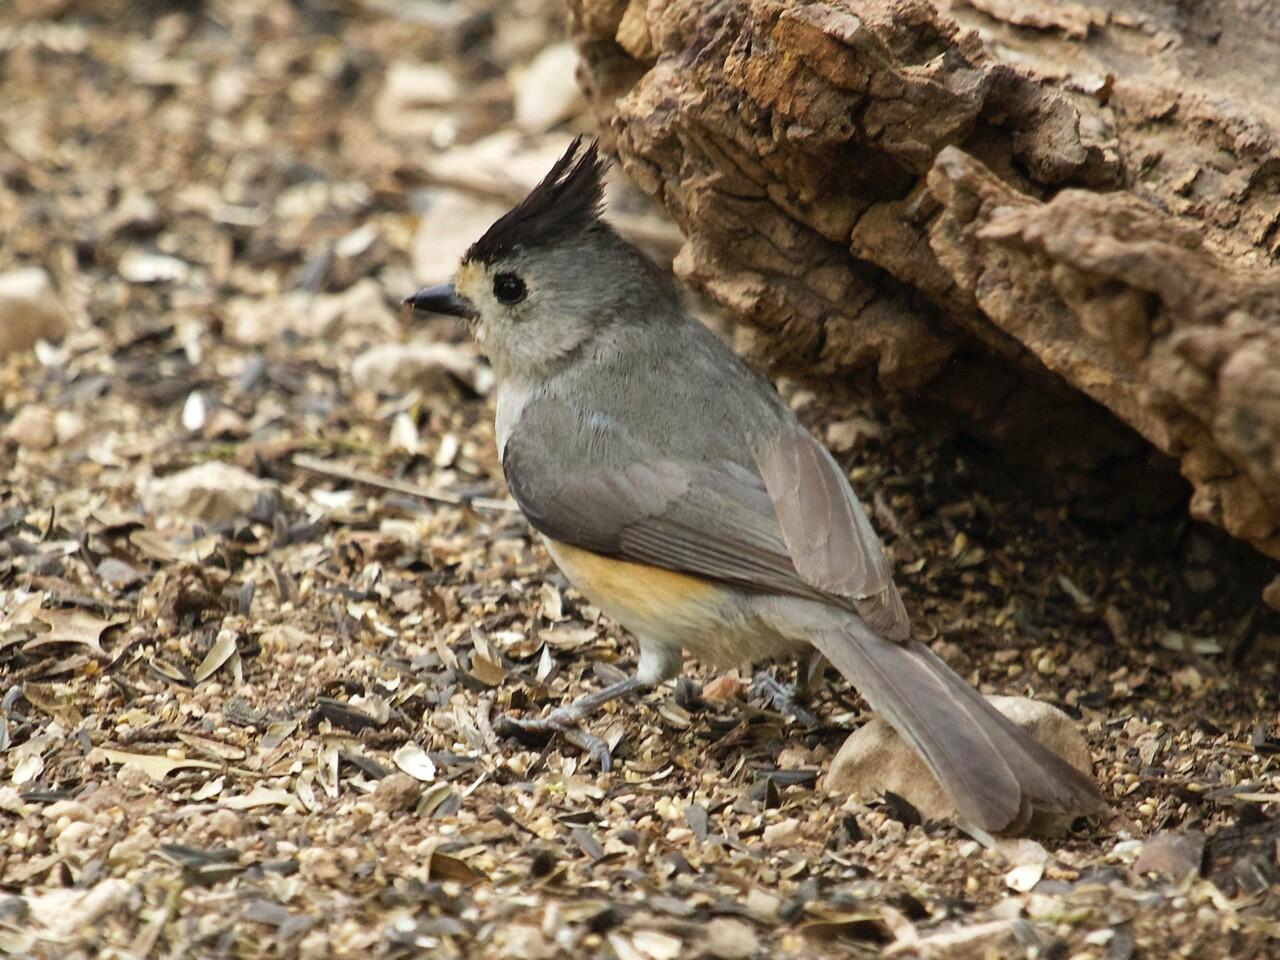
451,222
213,492
395,368
1055,227
547,92
361,309
875,759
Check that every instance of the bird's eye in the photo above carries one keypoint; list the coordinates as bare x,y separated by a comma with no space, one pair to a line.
509,288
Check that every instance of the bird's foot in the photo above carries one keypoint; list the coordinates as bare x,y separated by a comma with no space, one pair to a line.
562,722
565,722
783,697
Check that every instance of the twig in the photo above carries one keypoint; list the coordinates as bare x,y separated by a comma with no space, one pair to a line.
351,475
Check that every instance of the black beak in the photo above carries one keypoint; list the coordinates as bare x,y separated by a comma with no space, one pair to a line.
441,298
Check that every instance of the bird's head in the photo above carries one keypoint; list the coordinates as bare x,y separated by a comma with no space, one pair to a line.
549,275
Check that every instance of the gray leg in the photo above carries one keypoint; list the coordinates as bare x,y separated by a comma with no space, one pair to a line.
783,697
565,720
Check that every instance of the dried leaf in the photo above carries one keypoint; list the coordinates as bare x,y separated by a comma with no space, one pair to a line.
210,789
28,768
443,867
306,794
223,649
259,797
74,626
487,671
552,604
1023,878
156,766
657,945
327,769
439,800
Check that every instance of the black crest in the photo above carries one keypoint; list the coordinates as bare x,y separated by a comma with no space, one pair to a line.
566,202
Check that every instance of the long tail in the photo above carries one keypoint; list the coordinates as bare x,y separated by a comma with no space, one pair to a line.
997,775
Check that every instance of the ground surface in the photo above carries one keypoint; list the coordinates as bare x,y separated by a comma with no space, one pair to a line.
254,717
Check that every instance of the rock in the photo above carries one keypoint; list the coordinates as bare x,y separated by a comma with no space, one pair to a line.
118,574
412,97
727,686
523,941
68,426
135,212
362,306
143,266
73,810
1172,856
256,321
998,938
875,759
784,833
730,939
262,320
548,92
450,223
633,33
34,428
844,435
29,310
396,793
1271,594
64,910
224,823
213,492
503,163
394,368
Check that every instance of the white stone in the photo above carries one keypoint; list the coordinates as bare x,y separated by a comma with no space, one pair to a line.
730,939
361,307
452,221
783,833
142,266
547,92
66,910
412,97
34,428
395,368
212,492
68,426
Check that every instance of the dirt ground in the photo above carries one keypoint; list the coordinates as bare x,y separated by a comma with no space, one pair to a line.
250,675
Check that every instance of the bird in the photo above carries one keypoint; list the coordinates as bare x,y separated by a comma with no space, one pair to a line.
679,493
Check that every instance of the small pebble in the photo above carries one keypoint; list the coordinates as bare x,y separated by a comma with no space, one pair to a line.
781,833
225,823
397,792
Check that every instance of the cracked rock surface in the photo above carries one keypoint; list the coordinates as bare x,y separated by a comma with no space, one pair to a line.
1053,226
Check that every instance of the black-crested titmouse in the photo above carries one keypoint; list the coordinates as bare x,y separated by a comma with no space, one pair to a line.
679,493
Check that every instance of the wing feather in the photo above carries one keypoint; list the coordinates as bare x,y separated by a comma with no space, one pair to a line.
826,531
790,526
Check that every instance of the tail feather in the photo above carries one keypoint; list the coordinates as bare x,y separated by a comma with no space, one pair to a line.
997,775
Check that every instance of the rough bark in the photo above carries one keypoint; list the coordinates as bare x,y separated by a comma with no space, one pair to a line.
1014,212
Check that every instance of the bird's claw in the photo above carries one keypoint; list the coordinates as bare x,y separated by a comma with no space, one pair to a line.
782,697
562,722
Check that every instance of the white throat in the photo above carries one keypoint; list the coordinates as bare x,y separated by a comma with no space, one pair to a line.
513,396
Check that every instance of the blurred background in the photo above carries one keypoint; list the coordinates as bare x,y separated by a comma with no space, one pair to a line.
209,211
